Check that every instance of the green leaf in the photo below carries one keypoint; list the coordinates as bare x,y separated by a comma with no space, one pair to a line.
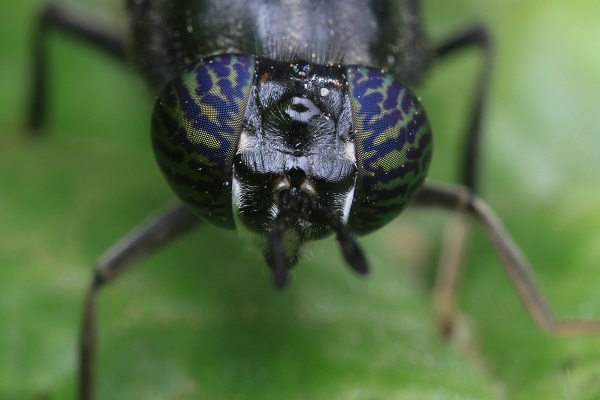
201,318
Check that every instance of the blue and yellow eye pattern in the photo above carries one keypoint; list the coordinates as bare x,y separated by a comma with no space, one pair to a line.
199,117
393,147
196,125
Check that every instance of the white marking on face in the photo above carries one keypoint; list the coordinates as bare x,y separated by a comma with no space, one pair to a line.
349,151
236,194
243,142
302,109
348,204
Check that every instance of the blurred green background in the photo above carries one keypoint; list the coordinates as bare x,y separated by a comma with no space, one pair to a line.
201,319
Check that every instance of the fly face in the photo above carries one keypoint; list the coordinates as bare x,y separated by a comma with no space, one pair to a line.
296,143
291,151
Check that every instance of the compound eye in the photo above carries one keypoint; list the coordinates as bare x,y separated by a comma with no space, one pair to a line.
393,147
196,125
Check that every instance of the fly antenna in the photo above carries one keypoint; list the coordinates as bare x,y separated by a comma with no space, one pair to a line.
352,252
279,263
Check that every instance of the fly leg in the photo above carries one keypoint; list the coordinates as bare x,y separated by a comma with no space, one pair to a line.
73,23
457,233
464,201
147,238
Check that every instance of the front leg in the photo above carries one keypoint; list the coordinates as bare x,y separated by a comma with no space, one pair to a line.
149,237
73,23
457,234
463,200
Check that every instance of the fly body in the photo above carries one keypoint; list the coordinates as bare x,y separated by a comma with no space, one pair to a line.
169,36
303,140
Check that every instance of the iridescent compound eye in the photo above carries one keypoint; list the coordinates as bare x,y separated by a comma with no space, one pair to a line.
196,125
393,147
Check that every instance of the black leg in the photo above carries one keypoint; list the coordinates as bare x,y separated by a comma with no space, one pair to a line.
465,201
73,23
473,37
456,238
155,233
